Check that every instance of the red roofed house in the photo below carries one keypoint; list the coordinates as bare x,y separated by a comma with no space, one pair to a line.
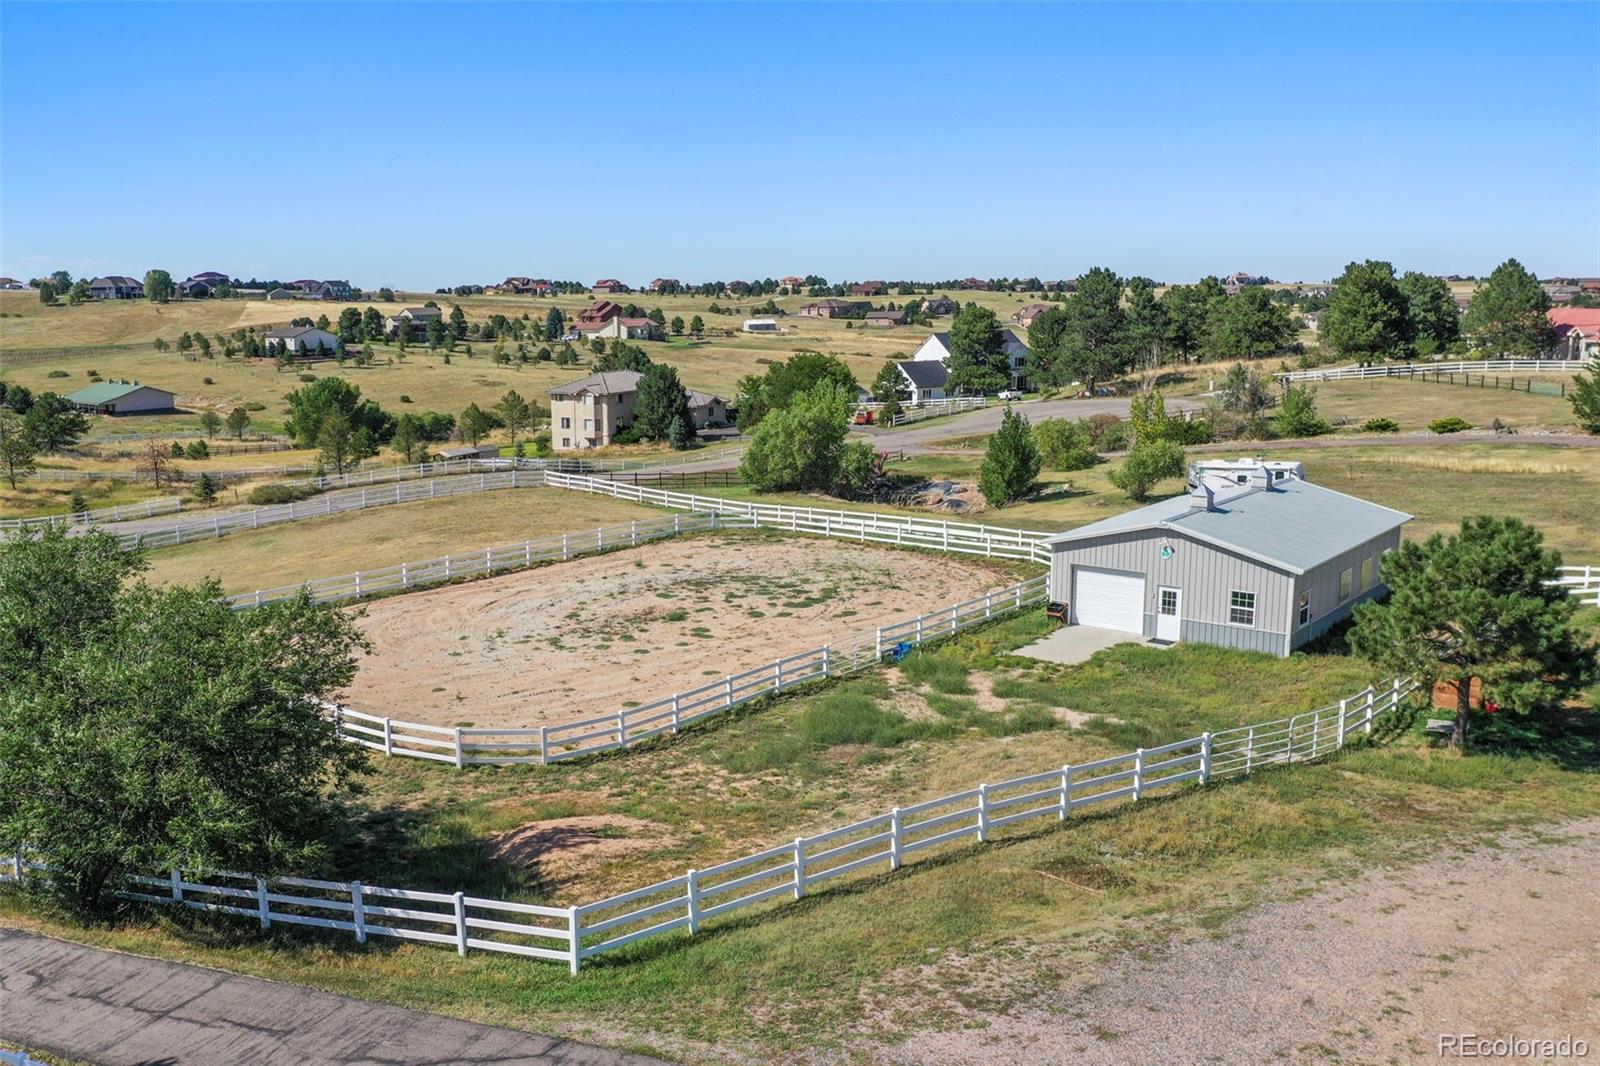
868,288
599,312
793,284
1577,332
609,285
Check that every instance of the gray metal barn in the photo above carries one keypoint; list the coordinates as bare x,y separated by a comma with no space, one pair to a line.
1263,563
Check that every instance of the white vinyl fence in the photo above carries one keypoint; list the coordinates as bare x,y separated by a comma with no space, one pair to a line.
481,746
931,408
1582,583
882,843
122,513
998,542
482,562
1468,366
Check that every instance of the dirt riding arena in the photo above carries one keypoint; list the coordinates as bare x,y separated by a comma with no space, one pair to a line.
594,635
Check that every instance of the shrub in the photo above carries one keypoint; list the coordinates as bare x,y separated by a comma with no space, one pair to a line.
1297,416
57,374
308,377
1380,425
1098,424
1585,400
1064,444
1452,424
404,398
626,436
208,381
253,406
267,495
1147,464
198,449
1011,464
1116,437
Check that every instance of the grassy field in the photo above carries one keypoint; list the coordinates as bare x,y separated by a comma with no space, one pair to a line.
382,536
715,363
804,977
1413,404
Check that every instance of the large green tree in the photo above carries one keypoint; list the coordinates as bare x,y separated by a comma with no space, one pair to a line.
310,404
1480,604
1507,316
660,401
1094,341
801,445
144,728
1435,318
158,287
1188,310
1585,400
1249,325
53,422
1367,315
16,450
978,361
782,381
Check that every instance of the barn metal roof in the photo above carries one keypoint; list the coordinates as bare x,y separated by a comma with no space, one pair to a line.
1294,526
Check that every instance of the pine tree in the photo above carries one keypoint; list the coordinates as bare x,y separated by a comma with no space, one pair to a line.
1011,464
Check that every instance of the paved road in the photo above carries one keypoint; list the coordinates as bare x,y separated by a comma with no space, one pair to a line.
916,438
123,1010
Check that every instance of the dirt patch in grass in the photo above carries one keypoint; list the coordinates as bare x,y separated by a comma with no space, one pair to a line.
595,635
564,848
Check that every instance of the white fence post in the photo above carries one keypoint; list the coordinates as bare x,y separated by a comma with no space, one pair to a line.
177,885
894,839
878,646
676,711
358,910
1250,749
575,941
693,900
1138,774
388,736
460,754
461,924
1344,707
1065,806
19,867
622,730
1205,758
827,666
729,683
262,908
799,867
544,744
983,813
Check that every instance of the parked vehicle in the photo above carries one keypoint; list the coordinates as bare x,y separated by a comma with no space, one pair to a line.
1010,394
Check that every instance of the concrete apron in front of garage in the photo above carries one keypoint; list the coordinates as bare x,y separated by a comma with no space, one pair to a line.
1076,644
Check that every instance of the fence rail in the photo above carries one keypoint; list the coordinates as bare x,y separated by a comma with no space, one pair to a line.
1582,583
998,542
1404,370
543,745
122,513
930,408
788,871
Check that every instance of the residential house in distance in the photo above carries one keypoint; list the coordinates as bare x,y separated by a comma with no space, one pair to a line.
1025,316
940,305
116,287
1561,293
600,311
833,308
414,320
761,325
620,328
1577,332
609,285
285,292
660,285
193,289
923,380
1263,563
11,285
1312,320
589,412
975,285
520,286
793,284
884,318
868,288
304,342
937,349
326,290
122,398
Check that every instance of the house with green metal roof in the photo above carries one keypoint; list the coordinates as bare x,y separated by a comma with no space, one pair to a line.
123,398
1256,559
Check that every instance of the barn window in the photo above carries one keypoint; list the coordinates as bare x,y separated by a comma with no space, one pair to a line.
1305,607
1366,572
1345,577
1242,608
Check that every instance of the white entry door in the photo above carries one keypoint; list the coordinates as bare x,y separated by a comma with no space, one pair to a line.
1108,599
1169,613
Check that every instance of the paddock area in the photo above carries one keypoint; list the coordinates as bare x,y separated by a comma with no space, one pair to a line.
598,634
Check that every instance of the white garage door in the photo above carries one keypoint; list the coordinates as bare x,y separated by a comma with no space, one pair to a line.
1108,600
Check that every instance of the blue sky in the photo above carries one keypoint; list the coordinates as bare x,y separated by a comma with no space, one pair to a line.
419,145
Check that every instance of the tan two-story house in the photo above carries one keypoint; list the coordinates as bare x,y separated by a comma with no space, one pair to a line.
589,412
